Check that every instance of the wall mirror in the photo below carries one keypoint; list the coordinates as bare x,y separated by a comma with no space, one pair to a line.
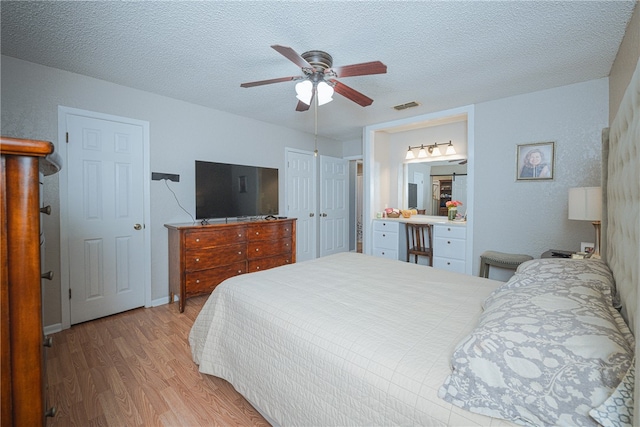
427,186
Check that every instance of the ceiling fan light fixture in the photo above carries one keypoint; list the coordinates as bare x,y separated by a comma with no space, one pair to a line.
422,153
325,93
410,154
304,91
450,149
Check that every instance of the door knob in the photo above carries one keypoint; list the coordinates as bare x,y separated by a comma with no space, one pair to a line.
311,214
324,215
137,227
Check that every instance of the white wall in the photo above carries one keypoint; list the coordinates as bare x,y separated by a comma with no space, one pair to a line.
529,217
180,133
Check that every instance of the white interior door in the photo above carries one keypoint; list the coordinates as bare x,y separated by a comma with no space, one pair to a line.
105,217
418,178
301,201
459,191
334,205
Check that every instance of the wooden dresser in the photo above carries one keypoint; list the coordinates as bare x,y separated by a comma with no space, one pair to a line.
202,256
22,339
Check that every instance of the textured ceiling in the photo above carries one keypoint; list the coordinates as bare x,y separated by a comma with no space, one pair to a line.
442,54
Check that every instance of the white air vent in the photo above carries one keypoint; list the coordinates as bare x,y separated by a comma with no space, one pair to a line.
405,106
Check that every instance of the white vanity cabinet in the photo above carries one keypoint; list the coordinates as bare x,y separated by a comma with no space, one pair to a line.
386,239
449,247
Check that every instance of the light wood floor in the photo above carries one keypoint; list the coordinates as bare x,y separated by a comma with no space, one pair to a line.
135,369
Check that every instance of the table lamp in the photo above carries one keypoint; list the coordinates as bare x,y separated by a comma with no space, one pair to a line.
585,204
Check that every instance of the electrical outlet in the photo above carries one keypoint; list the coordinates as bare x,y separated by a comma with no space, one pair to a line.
157,176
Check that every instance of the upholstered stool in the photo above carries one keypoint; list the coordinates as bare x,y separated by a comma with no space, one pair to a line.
500,259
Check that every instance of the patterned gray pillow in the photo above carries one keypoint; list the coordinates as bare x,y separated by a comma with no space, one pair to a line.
617,410
545,352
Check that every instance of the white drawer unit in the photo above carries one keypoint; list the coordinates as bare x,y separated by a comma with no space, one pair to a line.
386,239
449,247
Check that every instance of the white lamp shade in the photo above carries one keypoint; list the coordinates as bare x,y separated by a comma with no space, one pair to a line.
450,149
585,203
304,90
325,93
436,151
422,153
410,155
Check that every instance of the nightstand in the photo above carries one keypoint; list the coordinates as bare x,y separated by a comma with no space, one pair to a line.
557,253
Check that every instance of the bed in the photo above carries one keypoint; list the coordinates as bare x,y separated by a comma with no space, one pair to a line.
355,340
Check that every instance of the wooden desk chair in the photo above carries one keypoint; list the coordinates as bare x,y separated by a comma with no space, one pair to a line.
419,241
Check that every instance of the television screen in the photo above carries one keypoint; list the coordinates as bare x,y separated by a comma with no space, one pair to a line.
226,191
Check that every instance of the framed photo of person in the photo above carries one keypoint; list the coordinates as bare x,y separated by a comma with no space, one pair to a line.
535,161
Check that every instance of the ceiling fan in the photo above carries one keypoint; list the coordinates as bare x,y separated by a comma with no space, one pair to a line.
319,77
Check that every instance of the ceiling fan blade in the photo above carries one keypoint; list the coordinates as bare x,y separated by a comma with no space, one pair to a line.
292,56
304,107
352,94
364,69
268,82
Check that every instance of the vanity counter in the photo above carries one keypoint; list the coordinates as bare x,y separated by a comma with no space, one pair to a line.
425,219
449,240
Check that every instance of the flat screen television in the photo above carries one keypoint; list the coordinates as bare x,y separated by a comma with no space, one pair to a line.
227,191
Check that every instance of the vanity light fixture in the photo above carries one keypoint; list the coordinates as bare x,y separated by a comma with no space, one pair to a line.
430,150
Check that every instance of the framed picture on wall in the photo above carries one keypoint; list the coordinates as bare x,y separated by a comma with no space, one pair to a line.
535,161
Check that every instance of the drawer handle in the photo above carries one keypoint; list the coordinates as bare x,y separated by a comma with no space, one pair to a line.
448,242
197,259
51,412
448,228
48,275
382,253
257,232
384,235
448,263
257,249
197,280
197,240
286,244
258,268
239,234
239,271
239,252
48,342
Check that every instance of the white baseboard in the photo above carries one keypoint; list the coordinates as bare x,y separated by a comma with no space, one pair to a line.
163,301
52,329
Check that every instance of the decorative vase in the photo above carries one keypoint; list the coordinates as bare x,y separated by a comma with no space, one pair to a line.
452,212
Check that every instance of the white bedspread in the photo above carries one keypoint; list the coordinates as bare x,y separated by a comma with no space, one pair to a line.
347,339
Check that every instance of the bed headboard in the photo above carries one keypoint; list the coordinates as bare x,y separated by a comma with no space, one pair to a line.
621,181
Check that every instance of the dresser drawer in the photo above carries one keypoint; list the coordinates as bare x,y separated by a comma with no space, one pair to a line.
449,232
382,225
268,231
204,239
202,282
455,265
205,258
267,263
385,239
449,248
385,253
261,249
